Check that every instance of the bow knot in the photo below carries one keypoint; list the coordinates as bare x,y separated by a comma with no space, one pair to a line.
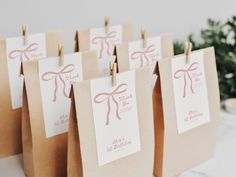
103,41
55,75
99,98
23,54
185,73
144,54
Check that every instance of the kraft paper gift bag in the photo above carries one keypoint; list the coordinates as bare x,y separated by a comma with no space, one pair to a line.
188,94
12,52
111,127
103,40
46,107
144,52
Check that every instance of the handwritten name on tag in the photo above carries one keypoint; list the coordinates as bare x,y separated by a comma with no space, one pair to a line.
140,57
115,117
104,43
190,92
55,85
17,52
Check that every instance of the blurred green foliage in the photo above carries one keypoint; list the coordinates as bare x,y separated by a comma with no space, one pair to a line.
223,37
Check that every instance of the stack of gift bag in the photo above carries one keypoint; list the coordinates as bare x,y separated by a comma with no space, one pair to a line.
115,107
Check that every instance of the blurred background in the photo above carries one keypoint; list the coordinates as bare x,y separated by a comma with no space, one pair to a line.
181,18
158,16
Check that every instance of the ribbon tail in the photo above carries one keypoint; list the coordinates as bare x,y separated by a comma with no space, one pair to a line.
64,86
101,49
147,59
108,111
141,60
117,109
21,58
191,83
55,90
108,47
184,94
26,56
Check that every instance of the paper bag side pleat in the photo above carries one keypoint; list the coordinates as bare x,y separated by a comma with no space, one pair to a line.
128,32
158,126
213,91
84,40
74,167
167,47
76,42
27,138
122,54
30,70
10,120
146,122
86,128
90,65
52,41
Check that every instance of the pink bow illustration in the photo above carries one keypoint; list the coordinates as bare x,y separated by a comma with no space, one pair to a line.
141,55
23,54
107,96
55,75
186,73
104,42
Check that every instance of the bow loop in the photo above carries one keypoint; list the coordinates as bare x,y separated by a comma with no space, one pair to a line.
185,73
101,97
120,89
104,43
55,75
23,54
104,96
143,54
51,74
67,69
107,36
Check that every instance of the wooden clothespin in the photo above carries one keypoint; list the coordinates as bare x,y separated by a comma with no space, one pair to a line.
113,69
61,54
187,50
144,37
25,32
106,23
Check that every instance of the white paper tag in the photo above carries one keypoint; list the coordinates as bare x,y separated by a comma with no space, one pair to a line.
104,65
190,92
104,43
140,57
115,117
55,85
18,52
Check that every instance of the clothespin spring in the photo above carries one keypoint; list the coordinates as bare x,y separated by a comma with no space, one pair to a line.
113,70
187,51
106,23
25,33
144,37
61,54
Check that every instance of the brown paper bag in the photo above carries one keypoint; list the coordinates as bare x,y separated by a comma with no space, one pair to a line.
177,151
45,156
83,156
133,54
10,119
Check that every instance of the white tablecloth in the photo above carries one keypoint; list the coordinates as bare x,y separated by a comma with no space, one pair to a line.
222,165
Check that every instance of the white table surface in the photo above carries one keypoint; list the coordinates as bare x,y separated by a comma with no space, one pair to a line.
222,165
